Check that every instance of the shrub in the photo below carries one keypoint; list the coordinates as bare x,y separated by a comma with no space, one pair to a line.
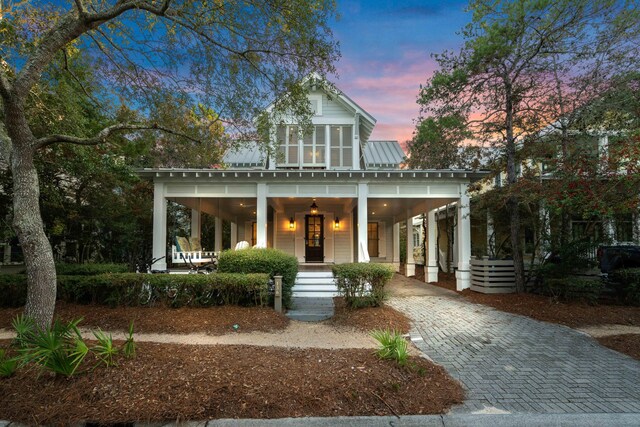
572,289
259,260
131,289
362,284
392,346
89,269
13,290
626,283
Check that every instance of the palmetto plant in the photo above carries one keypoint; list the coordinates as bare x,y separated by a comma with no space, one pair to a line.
59,349
129,346
8,365
392,346
104,350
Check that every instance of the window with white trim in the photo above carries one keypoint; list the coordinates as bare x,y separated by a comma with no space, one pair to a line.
316,104
314,148
341,146
287,137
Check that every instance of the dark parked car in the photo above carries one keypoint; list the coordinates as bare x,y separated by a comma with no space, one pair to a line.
613,258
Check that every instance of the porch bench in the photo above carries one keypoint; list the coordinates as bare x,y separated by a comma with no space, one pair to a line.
194,257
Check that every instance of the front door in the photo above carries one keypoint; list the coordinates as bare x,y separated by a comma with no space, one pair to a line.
314,238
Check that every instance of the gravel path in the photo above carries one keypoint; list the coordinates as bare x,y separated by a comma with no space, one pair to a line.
296,335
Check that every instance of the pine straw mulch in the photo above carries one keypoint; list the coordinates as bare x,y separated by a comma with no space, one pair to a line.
628,344
368,318
211,320
181,382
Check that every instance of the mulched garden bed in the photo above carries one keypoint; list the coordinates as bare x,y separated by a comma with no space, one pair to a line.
212,320
628,344
179,382
369,318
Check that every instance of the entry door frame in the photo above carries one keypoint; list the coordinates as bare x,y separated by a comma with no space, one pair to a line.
314,242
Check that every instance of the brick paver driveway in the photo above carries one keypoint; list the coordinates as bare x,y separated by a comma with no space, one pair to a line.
516,364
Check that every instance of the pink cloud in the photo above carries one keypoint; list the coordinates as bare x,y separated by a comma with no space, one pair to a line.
388,91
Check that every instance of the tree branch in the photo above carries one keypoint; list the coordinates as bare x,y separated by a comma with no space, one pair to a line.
105,133
5,85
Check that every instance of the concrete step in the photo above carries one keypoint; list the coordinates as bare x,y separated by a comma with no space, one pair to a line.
315,281
311,309
318,274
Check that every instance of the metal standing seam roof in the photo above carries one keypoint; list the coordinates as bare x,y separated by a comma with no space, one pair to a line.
383,153
245,155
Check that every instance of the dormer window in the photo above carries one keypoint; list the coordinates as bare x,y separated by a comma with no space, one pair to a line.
316,104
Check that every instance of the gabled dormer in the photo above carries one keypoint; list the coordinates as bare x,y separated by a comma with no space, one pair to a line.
340,130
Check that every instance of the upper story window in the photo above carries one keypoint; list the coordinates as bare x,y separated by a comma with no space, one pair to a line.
341,146
314,146
288,146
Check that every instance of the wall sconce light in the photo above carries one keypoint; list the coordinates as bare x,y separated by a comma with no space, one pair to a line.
314,208
292,224
336,223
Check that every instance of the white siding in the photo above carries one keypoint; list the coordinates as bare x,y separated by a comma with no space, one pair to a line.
343,251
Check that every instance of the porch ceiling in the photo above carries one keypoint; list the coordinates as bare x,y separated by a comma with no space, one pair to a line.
244,208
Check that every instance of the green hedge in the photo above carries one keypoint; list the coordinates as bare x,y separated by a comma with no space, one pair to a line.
260,260
362,284
626,283
575,289
90,269
13,290
131,289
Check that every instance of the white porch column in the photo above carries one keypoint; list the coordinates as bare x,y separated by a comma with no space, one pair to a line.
463,274
636,226
159,226
432,260
609,230
396,246
410,265
234,235
217,237
196,222
261,216
363,248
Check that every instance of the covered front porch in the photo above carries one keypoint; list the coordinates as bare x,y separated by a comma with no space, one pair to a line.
321,217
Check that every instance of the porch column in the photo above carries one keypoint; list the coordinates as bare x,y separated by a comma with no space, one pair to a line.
636,226
396,246
432,260
609,230
234,235
363,248
463,274
217,236
261,216
410,264
159,226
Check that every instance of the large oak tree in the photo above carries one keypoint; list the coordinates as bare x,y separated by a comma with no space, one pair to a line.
232,57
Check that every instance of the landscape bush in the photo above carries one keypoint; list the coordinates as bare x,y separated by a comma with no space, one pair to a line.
626,283
575,289
362,284
131,289
89,269
262,260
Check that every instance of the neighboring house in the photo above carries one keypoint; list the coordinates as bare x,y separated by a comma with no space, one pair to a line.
332,196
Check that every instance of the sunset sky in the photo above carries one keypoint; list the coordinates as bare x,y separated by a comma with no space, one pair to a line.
386,48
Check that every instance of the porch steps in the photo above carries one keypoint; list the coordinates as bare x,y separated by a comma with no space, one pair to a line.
316,284
311,309
313,295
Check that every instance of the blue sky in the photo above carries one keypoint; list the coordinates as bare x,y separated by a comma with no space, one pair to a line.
386,51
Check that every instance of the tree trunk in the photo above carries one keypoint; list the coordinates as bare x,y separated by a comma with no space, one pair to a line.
513,201
27,221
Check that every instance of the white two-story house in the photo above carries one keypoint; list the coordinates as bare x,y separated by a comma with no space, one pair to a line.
331,196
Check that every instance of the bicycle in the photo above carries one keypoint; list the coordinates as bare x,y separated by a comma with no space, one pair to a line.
146,295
